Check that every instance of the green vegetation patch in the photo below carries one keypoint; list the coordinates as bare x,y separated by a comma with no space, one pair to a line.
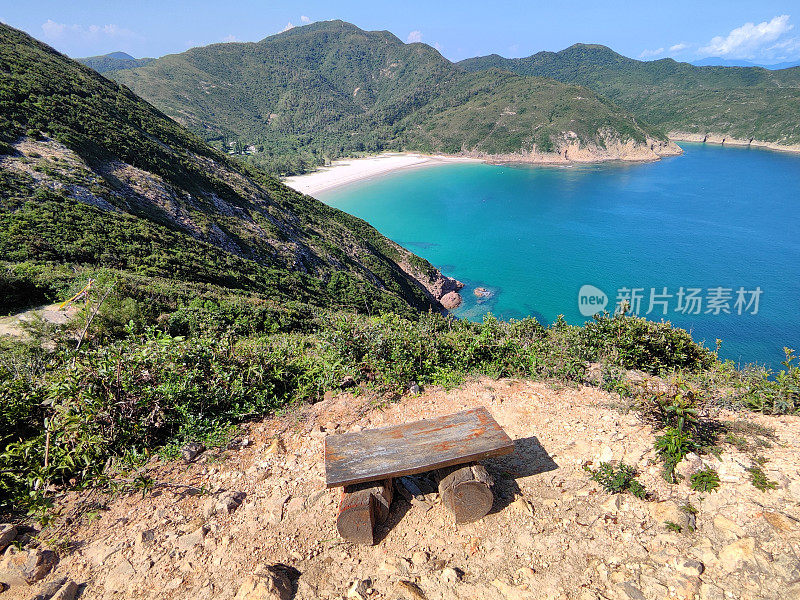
618,479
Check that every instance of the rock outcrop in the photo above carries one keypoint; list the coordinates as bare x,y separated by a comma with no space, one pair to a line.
726,140
7,534
571,150
440,288
451,300
18,567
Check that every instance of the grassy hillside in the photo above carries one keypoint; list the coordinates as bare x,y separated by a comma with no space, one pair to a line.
93,176
114,61
743,102
329,89
494,112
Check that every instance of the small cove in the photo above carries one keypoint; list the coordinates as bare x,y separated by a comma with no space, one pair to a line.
718,220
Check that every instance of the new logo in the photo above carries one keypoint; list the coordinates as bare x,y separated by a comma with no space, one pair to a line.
591,300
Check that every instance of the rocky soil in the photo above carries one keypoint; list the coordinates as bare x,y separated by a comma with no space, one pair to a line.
255,520
14,325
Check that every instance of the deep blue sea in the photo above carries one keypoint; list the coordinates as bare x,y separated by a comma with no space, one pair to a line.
709,240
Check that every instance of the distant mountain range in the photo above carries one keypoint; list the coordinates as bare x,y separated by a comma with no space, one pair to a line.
114,61
330,89
715,61
746,103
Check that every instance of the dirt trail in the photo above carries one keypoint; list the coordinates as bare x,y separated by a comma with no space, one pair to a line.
552,534
13,325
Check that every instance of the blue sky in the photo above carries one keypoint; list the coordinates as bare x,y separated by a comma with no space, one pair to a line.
764,31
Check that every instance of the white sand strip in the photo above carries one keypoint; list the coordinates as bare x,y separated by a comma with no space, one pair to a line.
343,172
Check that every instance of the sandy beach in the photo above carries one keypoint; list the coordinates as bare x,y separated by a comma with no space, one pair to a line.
343,172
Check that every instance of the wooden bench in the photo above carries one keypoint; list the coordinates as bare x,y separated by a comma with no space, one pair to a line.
364,463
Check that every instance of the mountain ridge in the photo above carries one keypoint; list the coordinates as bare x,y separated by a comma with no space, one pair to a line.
113,61
329,88
745,103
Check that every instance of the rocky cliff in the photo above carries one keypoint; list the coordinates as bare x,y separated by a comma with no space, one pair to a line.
726,140
572,151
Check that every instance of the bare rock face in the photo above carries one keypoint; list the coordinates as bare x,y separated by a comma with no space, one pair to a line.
26,567
272,584
7,535
190,540
668,512
451,300
439,287
690,465
38,564
738,554
59,589
192,450
230,501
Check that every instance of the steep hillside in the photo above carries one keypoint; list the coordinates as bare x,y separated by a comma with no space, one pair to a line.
748,103
501,116
114,61
329,89
94,177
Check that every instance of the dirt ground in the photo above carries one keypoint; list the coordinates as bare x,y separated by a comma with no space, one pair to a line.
13,325
553,533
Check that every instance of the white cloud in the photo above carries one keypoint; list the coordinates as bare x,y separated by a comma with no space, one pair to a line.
438,47
61,31
788,49
649,53
414,36
304,19
678,47
53,30
230,38
748,40
289,26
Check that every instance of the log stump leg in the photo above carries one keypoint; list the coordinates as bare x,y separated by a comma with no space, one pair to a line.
466,491
363,506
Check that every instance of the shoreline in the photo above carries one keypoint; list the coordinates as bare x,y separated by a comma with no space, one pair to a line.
726,140
346,171
351,170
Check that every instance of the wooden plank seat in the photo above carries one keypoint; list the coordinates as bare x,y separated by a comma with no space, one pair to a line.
364,463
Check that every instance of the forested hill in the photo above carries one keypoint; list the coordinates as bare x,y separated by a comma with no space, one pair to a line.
93,178
114,61
329,88
742,102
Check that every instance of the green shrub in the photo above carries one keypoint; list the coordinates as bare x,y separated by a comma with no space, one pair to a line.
636,343
706,480
672,526
673,445
759,479
778,394
618,479
132,396
613,380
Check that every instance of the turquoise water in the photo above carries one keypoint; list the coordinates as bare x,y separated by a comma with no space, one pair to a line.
714,217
